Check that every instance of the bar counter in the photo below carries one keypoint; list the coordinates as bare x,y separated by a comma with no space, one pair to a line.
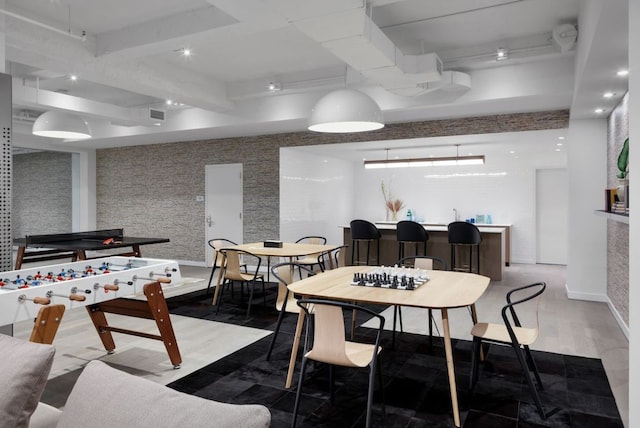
493,254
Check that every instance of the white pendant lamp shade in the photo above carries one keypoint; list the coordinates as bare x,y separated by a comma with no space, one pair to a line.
345,110
57,124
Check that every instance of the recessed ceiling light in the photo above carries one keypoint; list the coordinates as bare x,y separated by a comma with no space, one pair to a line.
608,94
599,110
73,77
559,144
186,52
169,102
512,151
557,150
561,137
502,54
622,72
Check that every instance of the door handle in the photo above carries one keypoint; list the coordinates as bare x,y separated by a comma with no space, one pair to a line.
209,221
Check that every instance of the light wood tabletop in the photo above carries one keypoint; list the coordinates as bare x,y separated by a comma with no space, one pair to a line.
443,291
288,249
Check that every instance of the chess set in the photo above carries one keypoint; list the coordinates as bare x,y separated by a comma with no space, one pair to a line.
399,278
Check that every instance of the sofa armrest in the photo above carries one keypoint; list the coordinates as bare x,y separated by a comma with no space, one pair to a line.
45,416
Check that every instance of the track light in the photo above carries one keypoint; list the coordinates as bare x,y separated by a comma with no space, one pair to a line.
502,54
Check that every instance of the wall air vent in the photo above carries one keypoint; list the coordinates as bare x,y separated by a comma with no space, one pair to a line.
155,114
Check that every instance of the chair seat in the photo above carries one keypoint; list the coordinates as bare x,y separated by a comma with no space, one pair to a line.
309,260
242,277
499,333
359,354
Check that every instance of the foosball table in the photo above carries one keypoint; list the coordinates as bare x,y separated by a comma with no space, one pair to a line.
119,285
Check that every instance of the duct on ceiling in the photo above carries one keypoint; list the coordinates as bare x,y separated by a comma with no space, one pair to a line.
344,28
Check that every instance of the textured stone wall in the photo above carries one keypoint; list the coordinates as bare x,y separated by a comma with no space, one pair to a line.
150,190
617,233
41,193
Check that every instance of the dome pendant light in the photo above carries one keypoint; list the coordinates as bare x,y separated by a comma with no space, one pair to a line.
57,124
345,110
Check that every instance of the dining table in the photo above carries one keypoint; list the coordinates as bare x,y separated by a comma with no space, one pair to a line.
442,291
288,250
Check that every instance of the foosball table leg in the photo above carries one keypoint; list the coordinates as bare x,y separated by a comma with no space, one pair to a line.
99,321
46,324
160,312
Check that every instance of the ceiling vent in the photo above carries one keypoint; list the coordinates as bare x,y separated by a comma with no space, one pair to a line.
157,115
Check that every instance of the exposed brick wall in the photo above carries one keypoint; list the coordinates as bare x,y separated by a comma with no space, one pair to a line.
617,233
41,193
150,190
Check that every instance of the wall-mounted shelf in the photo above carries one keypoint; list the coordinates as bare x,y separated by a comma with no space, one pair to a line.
622,218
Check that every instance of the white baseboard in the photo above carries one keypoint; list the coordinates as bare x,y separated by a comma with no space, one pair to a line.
618,318
191,263
596,297
591,297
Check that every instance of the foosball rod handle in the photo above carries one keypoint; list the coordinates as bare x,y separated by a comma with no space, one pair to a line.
75,297
162,279
36,300
110,287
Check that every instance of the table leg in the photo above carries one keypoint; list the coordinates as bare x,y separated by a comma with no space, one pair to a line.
474,319
219,280
294,349
19,257
450,369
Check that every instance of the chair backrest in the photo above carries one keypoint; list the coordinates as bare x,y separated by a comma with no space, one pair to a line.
235,259
328,330
285,274
461,232
337,255
317,240
423,262
217,244
363,229
410,231
518,296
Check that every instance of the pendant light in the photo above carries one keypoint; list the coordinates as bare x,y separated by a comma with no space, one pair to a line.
344,111
57,124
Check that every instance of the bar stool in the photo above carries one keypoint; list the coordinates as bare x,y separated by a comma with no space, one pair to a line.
363,231
462,233
410,232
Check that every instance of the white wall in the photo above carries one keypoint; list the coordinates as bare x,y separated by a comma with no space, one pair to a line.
634,224
587,258
432,194
316,195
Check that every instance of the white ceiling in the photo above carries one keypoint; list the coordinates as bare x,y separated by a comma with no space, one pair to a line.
130,60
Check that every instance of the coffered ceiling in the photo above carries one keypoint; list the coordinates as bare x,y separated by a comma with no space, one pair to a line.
419,59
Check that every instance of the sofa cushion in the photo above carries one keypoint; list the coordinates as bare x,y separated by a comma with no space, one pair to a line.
25,368
106,397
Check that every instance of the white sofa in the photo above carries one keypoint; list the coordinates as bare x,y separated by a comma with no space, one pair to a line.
105,397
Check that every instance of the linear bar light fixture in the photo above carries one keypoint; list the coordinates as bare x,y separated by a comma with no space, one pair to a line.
420,162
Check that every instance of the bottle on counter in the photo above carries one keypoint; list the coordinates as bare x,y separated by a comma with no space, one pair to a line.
488,219
409,215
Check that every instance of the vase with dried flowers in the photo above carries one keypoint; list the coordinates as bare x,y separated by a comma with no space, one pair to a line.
392,204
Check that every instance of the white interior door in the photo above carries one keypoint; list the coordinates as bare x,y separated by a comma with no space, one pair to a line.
552,194
223,199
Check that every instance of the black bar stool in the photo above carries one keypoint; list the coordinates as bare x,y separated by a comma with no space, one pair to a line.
363,231
410,232
462,233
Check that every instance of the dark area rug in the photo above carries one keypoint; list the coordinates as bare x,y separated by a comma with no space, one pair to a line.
416,387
